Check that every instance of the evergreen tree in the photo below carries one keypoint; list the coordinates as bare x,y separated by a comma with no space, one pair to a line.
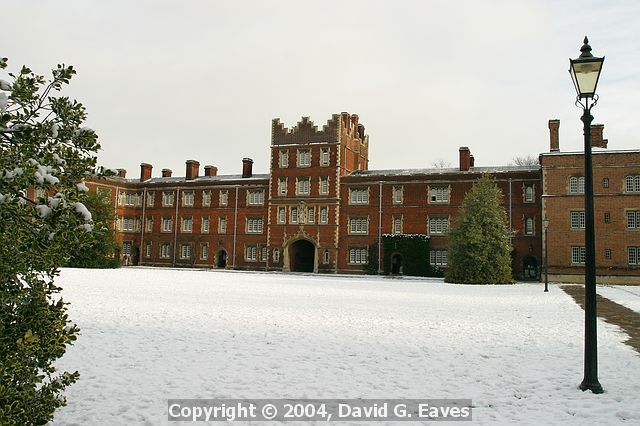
102,251
45,154
479,250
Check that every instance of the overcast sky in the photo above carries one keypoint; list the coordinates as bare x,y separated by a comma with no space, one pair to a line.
167,81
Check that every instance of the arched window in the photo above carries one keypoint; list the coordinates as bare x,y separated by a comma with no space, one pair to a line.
576,184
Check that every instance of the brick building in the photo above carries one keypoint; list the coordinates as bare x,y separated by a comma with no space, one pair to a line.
616,183
321,210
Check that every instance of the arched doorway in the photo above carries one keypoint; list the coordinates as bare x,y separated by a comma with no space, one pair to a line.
530,268
222,259
302,256
396,263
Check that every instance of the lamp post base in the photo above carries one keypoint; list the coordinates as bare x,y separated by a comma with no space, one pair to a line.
594,387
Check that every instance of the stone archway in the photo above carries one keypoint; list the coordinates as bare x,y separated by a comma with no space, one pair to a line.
302,256
221,259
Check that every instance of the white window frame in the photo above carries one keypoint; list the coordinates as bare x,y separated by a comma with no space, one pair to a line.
529,226
438,225
633,256
324,215
324,185
311,215
204,251
304,158
439,194
358,255
251,253
359,196
148,224
396,226
205,225
325,157
185,251
282,215
167,224
206,198
294,215
187,198
577,219
578,254
359,225
165,250
438,257
282,186
283,158
254,225
633,219
303,186
576,185
632,183
255,197
223,198
168,198
148,249
151,198
529,193
222,225
397,194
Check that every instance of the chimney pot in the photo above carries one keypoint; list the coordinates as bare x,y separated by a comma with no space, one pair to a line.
465,159
166,172
192,169
554,138
247,167
145,171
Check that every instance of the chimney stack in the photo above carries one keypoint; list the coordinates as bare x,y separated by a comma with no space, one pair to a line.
122,173
596,136
210,170
472,161
247,167
554,138
193,168
465,159
166,172
145,171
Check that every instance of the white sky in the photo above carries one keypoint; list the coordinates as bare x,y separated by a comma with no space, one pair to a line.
167,81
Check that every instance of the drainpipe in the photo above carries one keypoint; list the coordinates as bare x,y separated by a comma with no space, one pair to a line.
235,228
144,206
175,228
380,229
510,217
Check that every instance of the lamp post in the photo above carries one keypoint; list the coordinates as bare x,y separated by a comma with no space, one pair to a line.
585,72
545,225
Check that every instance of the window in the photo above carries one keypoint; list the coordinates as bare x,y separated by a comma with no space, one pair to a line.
302,186
605,182
439,194
127,224
282,186
282,215
204,227
397,194
311,215
254,225
358,255
528,194
577,254
325,257
438,225
276,255
150,199
165,250
633,183
167,199
265,253
222,225
304,158
358,225
224,197
185,251
576,184
187,198
359,196
126,248
206,198
577,220
633,219
324,157
147,250
283,159
397,225
149,225
528,226
204,251
607,217
187,224
633,255
438,257
255,198
167,224
607,253
324,215
294,215
324,185
251,253
130,199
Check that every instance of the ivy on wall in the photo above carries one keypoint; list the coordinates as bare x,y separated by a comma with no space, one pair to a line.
414,254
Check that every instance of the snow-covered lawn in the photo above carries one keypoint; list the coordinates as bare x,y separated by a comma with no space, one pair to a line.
153,334
625,295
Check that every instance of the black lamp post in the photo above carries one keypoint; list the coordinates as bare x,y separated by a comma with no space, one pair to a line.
585,72
545,225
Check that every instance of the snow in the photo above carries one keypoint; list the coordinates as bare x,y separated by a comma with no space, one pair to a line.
153,334
4,102
82,209
5,85
43,210
54,134
45,173
82,187
628,296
